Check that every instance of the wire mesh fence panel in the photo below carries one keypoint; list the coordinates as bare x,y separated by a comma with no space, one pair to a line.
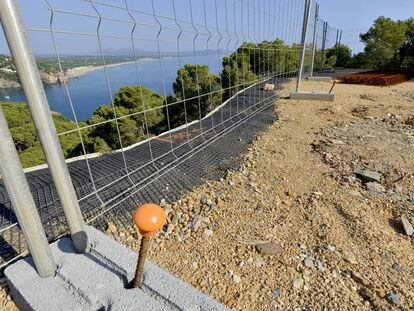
153,97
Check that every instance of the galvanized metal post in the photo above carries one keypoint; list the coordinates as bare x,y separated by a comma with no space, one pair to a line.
304,35
336,48
24,207
25,63
325,30
315,29
338,45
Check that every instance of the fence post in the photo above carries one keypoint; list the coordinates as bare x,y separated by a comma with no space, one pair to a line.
336,48
315,29
25,63
304,34
23,205
325,30
338,45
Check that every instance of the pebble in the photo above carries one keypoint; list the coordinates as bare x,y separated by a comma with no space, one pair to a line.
356,193
396,267
374,187
309,263
236,278
297,282
350,258
276,293
259,262
208,232
393,298
329,248
349,179
337,141
317,193
320,266
269,248
367,175
301,246
408,228
196,225
170,228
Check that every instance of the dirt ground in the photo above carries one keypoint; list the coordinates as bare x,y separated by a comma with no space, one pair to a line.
340,241
337,242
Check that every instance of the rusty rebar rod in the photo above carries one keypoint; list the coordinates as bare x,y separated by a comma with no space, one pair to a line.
137,281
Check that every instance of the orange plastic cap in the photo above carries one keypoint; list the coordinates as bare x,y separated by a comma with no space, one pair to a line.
149,218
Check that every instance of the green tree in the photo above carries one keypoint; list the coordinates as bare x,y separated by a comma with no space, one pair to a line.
406,51
25,137
198,89
360,61
134,108
384,40
342,53
237,71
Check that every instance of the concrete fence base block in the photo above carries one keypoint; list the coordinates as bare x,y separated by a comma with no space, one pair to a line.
96,280
329,97
319,79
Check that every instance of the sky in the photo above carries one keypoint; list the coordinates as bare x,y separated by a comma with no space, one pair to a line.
356,16
353,16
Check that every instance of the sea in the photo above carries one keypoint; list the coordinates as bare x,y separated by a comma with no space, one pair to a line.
95,88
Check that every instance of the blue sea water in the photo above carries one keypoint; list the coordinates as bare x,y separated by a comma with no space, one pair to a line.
90,91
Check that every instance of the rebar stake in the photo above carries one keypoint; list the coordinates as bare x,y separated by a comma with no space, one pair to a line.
149,218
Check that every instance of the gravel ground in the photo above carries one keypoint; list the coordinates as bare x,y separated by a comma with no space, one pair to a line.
295,228
335,241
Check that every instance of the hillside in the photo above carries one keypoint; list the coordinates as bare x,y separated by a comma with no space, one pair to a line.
49,68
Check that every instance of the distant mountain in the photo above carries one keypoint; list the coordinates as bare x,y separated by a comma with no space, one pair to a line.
154,54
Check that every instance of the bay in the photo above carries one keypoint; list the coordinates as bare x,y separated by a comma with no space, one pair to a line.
95,88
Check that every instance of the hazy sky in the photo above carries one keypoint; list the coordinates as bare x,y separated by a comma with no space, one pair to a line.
353,16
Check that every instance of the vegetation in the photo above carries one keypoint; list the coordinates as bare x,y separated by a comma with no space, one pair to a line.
388,43
24,134
7,69
194,81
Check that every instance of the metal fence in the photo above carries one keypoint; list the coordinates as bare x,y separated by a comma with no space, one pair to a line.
154,139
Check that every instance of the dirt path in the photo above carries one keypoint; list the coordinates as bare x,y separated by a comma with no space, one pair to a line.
343,245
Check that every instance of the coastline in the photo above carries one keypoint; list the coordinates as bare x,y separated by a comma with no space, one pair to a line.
73,73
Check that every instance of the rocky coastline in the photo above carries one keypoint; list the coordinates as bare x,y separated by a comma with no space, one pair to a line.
54,78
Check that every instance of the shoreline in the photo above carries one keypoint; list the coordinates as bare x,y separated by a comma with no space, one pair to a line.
73,73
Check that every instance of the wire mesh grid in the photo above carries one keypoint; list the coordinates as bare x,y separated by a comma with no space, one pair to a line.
153,138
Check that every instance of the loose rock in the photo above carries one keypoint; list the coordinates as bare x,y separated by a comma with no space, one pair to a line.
393,298
367,175
269,248
408,228
276,293
375,187
297,282
309,263
236,279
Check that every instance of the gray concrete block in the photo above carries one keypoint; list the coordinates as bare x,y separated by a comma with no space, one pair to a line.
329,97
97,279
319,79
